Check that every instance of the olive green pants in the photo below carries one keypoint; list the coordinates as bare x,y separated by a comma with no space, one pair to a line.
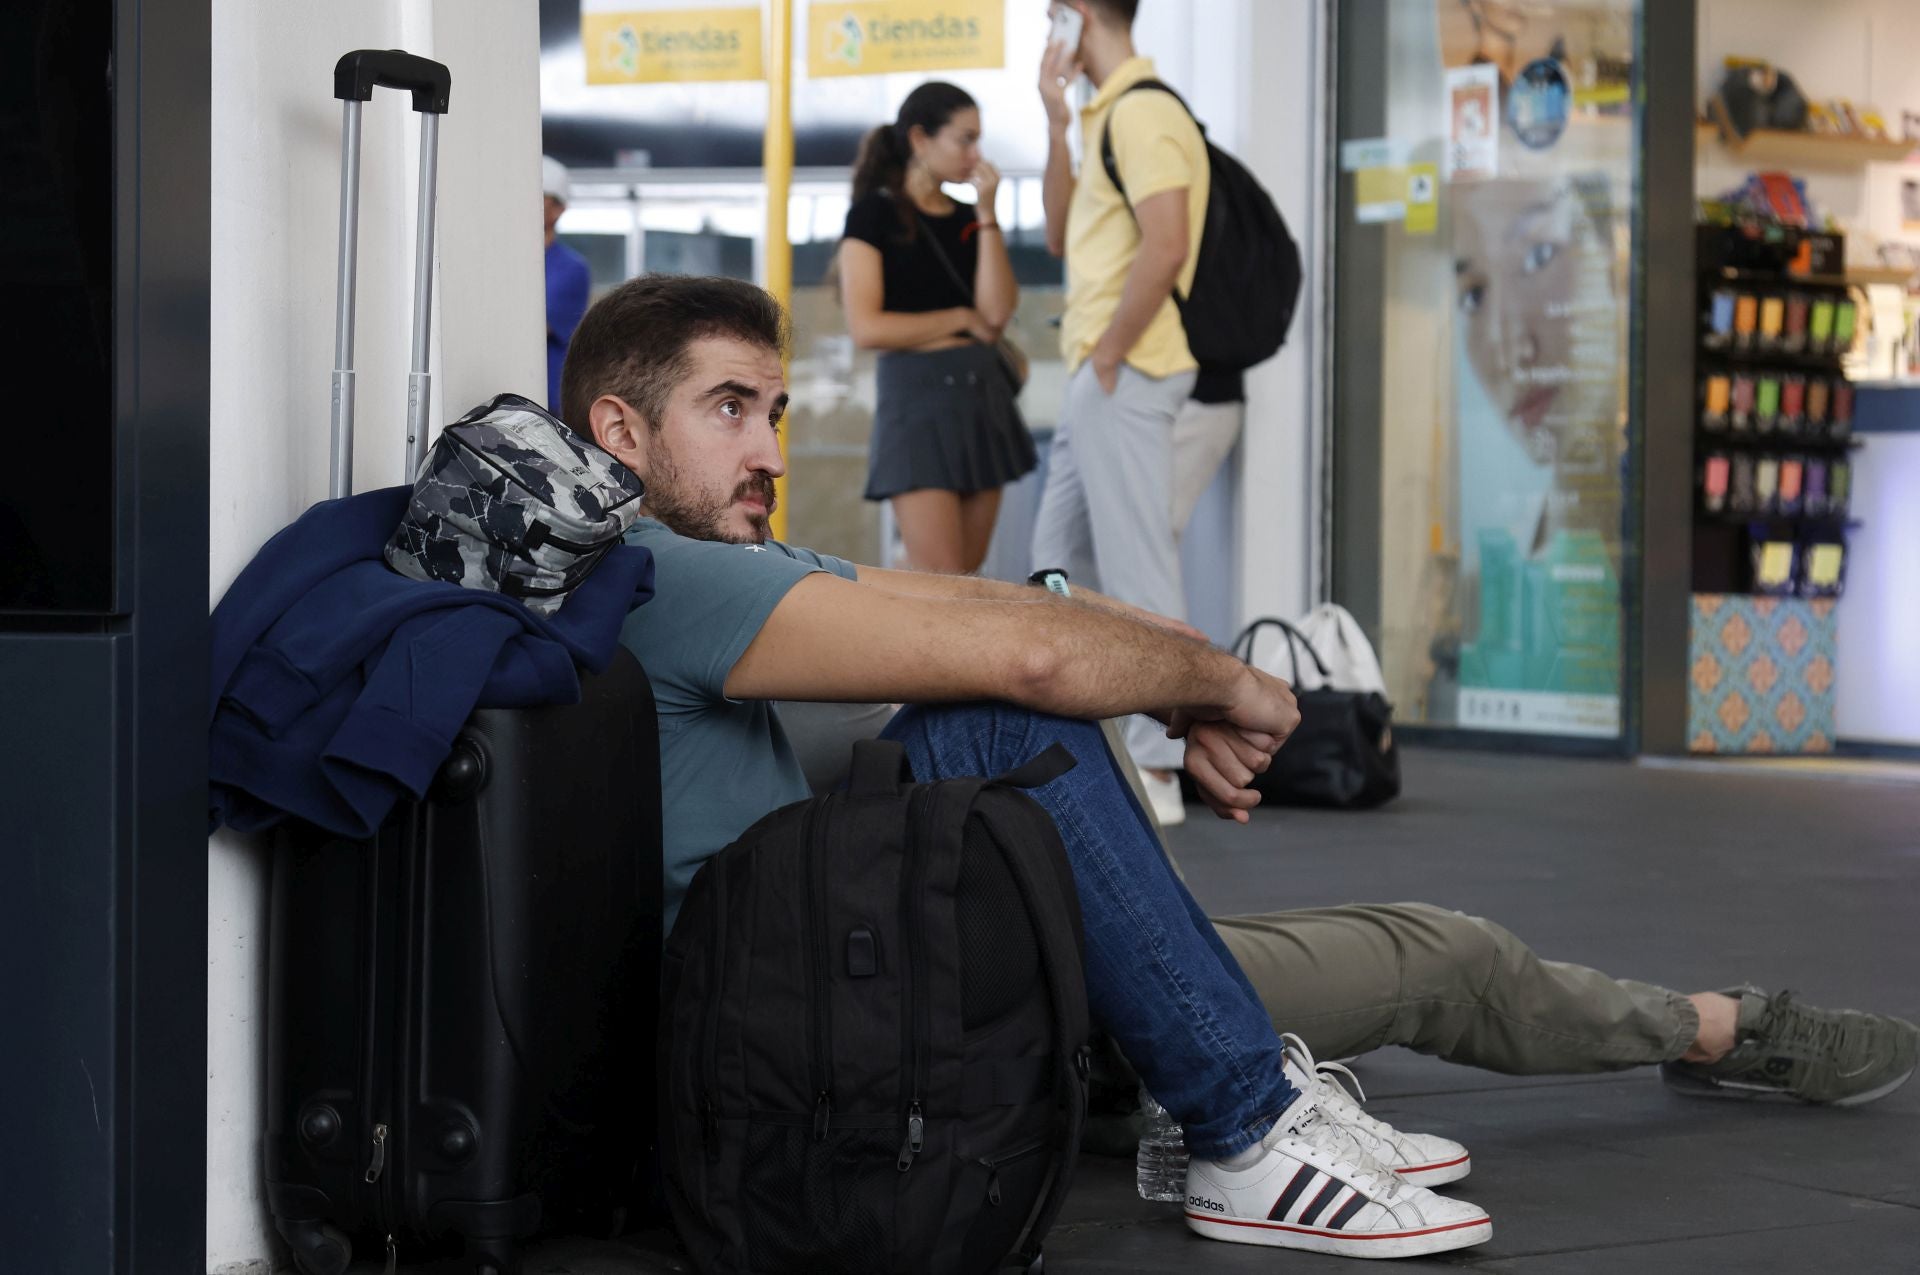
1352,979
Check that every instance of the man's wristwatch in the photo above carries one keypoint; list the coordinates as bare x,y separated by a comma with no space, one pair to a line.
1052,579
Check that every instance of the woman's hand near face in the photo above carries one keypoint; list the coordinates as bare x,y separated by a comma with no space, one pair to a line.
985,179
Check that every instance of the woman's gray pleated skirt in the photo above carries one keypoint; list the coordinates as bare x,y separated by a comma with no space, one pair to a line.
945,419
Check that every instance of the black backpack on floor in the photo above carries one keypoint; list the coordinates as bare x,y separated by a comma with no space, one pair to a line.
1246,281
874,1043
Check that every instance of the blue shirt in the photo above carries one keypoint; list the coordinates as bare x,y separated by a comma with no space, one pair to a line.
569,285
724,762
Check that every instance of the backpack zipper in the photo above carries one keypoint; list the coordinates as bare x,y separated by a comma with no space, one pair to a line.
817,923
992,1164
912,1044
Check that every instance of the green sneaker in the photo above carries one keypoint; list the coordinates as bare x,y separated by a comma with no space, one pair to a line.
1794,1052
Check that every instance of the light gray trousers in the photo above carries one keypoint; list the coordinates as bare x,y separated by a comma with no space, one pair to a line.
1106,513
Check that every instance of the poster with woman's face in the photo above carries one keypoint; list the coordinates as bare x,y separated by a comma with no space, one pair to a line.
1538,248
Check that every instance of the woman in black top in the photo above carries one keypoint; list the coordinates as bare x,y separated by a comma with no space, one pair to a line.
925,279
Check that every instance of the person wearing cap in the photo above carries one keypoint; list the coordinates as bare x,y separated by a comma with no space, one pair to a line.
569,282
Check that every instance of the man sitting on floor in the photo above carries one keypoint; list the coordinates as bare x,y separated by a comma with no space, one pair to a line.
680,378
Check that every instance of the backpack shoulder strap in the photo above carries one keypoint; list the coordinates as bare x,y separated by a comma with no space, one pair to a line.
1106,132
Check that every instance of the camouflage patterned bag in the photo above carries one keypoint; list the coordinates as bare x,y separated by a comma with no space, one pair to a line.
512,500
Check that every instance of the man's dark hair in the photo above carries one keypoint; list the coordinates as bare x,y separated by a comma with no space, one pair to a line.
633,342
1122,11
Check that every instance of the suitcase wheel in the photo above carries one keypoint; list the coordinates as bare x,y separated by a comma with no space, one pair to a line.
493,1256
318,1249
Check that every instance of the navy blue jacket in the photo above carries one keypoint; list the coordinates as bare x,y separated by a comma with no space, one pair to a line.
339,684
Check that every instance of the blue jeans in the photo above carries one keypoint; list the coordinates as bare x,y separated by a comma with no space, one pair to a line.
1159,980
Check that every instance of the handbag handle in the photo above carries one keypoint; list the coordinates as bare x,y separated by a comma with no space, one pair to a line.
1296,640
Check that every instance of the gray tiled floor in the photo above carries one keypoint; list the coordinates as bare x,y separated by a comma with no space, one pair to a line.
1689,878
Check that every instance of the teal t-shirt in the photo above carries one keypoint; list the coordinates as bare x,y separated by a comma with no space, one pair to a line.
723,762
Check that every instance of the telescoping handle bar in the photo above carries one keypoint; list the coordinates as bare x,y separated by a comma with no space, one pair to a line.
355,77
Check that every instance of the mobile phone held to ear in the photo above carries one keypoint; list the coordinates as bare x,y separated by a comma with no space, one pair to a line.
1067,24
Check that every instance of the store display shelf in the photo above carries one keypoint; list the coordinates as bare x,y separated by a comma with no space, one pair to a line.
1775,521
1768,149
1771,442
1778,358
1775,279
1863,276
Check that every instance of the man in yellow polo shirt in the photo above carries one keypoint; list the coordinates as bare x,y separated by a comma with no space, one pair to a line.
1106,516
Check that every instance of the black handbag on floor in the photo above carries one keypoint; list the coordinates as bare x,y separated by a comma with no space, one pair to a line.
1343,753
875,1044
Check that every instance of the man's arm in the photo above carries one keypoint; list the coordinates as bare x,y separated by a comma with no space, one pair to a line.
833,639
933,584
1058,70
1150,281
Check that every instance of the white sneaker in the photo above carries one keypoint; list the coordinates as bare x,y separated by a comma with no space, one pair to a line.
1424,1158
1164,796
1316,1189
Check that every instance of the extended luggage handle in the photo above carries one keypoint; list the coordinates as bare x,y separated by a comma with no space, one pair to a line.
358,73
355,76
1243,646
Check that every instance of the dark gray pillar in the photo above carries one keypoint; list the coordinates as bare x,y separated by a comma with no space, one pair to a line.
1659,530
103,661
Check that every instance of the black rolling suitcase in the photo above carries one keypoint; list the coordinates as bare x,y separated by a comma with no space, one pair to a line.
461,1009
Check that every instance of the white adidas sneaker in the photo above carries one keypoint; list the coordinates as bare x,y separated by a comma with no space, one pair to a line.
1423,1158
1318,1190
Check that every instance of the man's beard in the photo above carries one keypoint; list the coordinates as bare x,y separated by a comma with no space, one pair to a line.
700,515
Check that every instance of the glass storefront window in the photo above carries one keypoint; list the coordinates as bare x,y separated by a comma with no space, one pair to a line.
1481,363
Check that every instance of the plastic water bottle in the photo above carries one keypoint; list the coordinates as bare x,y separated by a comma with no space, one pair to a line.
1162,1164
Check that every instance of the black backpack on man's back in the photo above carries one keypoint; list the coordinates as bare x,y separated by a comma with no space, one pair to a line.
874,1043
1246,282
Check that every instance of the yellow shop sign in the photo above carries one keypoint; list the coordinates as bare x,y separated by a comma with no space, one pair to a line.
648,46
869,37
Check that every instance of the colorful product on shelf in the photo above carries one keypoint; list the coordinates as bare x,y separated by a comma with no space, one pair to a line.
1746,320
1792,473
1843,321
1719,320
1766,484
1818,392
1740,485
1719,395
1839,487
1840,414
1814,502
1773,313
1820,326
1793,338
1766,405
1793,404
1823,569
1713,483
1741,415
1773,562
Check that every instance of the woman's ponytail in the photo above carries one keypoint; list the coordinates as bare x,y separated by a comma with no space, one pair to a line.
880,163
